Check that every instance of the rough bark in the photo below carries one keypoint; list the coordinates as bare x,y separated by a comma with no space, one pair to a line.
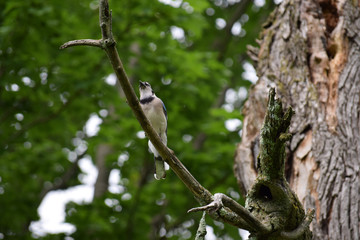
309,51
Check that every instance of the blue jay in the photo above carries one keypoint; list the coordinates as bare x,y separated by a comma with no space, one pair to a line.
155,111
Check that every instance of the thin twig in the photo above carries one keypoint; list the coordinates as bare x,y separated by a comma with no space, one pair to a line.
82,42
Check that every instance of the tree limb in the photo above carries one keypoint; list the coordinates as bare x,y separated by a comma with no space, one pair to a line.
108,43
221,200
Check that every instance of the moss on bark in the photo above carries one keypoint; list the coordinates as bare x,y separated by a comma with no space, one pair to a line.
270,199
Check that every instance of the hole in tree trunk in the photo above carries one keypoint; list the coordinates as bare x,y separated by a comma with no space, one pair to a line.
265,193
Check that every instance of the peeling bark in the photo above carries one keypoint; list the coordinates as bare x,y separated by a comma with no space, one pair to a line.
310,52
249,147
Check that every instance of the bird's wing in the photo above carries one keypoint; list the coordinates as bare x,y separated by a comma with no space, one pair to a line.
164,109
165,113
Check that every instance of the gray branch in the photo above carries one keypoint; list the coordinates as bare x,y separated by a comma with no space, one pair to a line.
221,200
82,42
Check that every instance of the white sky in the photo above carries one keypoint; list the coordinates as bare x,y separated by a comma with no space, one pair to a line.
52,208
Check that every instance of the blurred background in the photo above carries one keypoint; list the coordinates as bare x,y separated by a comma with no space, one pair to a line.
74,162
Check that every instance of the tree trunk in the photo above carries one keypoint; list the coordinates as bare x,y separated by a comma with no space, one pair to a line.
309,51
102,180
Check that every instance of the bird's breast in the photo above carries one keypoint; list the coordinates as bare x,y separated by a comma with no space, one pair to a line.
155,116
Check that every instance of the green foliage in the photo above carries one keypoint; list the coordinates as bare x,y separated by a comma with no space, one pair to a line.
47,95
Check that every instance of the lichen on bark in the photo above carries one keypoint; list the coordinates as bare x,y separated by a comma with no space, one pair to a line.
270,199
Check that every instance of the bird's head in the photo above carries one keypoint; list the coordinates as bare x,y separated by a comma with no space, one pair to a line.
145,90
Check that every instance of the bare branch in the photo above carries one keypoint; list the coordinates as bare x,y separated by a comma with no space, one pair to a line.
200,193
82,42
105,19
195,187
108,44
221,200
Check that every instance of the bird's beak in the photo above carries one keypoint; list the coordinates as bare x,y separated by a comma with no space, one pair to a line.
142,84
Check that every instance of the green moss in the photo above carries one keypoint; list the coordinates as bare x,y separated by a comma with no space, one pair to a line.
270,199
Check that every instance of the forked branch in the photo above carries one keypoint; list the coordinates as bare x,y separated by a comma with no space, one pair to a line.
221,200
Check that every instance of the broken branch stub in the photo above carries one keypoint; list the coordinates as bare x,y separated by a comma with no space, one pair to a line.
270,199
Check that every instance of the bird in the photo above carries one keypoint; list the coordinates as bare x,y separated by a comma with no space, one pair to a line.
154,109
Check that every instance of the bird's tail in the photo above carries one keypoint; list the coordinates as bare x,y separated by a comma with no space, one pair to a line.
160,172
